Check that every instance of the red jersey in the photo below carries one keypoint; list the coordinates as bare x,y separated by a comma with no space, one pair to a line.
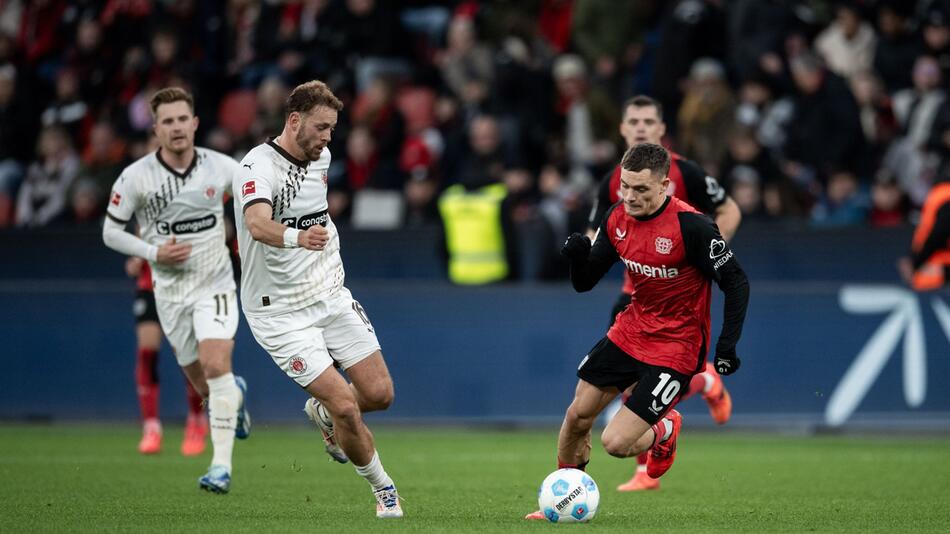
671,257
688,182
144,281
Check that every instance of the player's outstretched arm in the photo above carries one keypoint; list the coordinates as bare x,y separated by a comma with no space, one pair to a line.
258,218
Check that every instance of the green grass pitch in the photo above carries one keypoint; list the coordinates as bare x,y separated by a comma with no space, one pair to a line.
69,478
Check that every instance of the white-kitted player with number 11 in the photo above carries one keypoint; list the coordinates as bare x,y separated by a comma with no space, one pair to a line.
292,286
176,196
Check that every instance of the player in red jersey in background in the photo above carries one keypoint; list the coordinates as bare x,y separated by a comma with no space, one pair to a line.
660,340
642,122
148,335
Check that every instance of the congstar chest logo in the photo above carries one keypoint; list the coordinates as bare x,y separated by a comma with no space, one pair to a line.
191,226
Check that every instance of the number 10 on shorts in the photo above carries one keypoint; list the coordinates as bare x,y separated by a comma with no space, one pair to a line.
665,391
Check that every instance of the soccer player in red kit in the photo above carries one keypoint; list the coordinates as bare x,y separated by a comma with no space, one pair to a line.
656,345
148,335
642,122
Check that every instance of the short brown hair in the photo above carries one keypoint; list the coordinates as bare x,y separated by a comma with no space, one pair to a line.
644,101
169,95
647,156
307,96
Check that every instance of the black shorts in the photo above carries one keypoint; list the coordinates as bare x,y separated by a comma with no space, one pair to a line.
657,388
143,307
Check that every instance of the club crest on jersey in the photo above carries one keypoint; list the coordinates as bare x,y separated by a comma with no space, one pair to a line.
116,199
663,245
325,178
621,235
249,188
209,192
298,365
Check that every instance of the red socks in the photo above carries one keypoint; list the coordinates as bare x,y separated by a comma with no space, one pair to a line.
195,407
146,382
696,385
562,465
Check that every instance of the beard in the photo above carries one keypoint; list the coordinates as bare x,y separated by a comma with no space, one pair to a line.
311,150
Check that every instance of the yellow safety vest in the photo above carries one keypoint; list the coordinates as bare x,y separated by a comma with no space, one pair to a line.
473,234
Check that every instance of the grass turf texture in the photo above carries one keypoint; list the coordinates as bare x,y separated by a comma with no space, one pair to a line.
69,478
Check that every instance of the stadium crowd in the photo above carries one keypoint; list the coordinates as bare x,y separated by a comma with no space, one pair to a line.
821,112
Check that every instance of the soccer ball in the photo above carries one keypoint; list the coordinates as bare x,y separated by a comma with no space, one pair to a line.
568,496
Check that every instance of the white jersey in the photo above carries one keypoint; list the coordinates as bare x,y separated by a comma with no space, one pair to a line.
278,280
186,205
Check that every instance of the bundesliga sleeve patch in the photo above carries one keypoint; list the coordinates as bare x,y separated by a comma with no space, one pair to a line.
249,188
116,199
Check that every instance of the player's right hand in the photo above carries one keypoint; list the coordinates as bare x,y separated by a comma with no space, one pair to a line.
172,253
577,246
314,238
727,362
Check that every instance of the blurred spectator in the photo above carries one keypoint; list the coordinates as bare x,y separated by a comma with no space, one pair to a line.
466,64
889,204
689,29
757,29
373,40
68,109
590,130
825,131
40,35
376,109
103,159
877,115
86,206
602,31
760,111
16,134
43,195
555,21
707,115
936,34
92,62
271,96
896,46
847,45
916,109
745,172
939,140
843,203
365,168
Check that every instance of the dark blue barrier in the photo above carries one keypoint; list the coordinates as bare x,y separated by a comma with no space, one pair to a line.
503,353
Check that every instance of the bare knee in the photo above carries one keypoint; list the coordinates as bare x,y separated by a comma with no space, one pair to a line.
615,445
379,398
345,413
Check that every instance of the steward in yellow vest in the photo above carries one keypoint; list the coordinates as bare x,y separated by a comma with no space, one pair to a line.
475,241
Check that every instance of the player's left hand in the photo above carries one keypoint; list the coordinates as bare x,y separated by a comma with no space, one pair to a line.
727,362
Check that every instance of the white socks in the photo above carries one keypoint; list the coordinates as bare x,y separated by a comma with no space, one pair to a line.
374,473
667,430
224,397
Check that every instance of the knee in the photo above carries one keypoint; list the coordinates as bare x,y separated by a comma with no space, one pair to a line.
614,445
344,413
381,397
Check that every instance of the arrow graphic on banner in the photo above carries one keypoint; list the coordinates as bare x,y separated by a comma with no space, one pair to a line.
904,320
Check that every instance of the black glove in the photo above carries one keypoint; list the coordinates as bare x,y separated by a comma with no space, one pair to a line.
577,247
726,361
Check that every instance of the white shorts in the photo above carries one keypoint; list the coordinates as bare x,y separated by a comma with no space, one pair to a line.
187,323
304,343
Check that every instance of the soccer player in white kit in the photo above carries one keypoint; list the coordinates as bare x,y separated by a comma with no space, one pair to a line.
176,195
292,288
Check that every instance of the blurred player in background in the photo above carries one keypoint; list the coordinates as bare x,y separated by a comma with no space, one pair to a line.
659,342
292,288
148,335
176,195
928,267
642,122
